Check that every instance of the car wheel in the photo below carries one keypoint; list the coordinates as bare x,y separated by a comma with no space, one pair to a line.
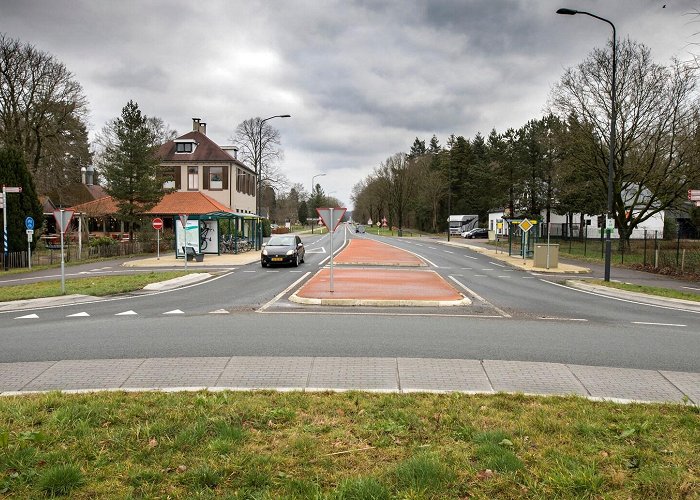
296,260
263,264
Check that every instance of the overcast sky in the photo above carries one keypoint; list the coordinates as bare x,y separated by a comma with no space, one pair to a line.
360,78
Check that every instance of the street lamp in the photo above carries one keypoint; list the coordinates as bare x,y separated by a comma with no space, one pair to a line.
613,119
258,166
312,192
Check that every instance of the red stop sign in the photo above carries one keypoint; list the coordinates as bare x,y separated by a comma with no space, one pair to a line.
157,223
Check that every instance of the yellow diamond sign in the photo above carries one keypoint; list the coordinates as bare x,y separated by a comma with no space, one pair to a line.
525,225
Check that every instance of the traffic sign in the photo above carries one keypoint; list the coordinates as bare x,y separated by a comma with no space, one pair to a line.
694,194
12,189
525,225
383,221
331,216
63,218
157,223
183,220
29,223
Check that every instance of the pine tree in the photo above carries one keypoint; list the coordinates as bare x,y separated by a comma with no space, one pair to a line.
130,166
14,173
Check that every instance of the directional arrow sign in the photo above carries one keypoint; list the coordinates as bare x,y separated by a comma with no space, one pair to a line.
694,194
331,216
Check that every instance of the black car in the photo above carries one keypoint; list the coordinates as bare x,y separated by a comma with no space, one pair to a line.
282,249
479,232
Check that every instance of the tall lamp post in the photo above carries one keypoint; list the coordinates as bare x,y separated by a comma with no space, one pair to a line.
258,167
312,192
613,119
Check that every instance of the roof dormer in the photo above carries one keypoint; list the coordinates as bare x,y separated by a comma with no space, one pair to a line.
185,146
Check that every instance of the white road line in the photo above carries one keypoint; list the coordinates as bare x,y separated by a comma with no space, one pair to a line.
487,269
528,277
419,244
562,319
174,311
496,264
610,297
127,313
447,251
219,311
432,248
250,271
479,275
78,315
480,298
283,292
467,268
504,276
470,257
28,316
655,324
690,288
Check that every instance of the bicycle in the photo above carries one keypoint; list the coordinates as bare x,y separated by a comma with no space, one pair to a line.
203,233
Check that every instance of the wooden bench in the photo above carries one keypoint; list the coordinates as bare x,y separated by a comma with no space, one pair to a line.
192,254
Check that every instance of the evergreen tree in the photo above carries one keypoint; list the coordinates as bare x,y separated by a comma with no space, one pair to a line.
130,166
418,149
302,212
14,173
434,147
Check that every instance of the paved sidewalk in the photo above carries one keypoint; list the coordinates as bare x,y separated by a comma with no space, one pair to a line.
402,375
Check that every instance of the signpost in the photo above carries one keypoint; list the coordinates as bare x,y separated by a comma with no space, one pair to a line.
525,226
63,218
158,225
183,221
331,218
694,194
29,224
6,250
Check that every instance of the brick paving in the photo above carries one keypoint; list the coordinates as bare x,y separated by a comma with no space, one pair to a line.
401,375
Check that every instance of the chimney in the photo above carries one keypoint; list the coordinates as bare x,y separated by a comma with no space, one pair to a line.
235,153
90,177
203,128
195,124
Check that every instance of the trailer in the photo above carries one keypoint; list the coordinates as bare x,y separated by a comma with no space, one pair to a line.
460,223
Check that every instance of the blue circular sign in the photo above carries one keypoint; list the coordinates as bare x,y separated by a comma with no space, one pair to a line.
29,223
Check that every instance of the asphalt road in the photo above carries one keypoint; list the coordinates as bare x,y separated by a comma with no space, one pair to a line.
515,315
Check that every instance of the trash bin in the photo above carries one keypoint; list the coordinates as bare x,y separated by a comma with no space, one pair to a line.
540,257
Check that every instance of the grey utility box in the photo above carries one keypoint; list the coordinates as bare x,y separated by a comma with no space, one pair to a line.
541,255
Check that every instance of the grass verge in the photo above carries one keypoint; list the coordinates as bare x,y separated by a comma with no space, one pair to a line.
650,290
344,446
94,285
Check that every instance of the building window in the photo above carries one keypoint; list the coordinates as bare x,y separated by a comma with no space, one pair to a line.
193,178
171,178
184,147
216,178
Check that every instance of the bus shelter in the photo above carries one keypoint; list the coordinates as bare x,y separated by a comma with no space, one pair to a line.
216,232
523,233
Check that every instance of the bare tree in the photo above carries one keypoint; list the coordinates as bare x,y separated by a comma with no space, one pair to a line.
259,145
42,113
657,123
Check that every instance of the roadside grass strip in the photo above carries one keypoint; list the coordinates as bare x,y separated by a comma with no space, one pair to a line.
649,290
344,445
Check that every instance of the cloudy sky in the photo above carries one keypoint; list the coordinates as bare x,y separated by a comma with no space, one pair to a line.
360,78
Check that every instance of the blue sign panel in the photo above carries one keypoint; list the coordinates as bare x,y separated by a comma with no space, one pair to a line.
29,223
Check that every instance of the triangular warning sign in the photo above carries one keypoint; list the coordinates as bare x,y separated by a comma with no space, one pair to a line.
331,216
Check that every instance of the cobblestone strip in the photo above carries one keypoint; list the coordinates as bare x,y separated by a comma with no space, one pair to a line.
418,374
176,372
15,376
626,383
532,377
251,372
374,374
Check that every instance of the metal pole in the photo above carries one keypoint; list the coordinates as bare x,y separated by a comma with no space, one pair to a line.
184,229
548,230
4,229
158,244
330,230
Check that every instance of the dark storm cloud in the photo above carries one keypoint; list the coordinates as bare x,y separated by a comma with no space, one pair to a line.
129,76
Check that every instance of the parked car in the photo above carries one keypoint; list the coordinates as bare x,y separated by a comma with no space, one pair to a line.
282,249
477,232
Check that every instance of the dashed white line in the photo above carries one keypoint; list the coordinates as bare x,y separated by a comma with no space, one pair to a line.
28,316
470,257
78,315
127,313
447,251
174,311
690,288
496,264
656,324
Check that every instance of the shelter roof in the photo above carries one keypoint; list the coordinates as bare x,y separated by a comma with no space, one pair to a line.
188,202
97,208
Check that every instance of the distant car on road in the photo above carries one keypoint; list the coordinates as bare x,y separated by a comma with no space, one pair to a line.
282,249
359,228
477,232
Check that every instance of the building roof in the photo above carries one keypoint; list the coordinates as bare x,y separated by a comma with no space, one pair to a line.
188,202
206,150
97,208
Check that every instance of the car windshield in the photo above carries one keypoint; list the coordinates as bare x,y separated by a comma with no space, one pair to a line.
278,241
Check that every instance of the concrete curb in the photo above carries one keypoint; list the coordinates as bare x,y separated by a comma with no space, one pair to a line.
639,297
379,303
177,282
18,305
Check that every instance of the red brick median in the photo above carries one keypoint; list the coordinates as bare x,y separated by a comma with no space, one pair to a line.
379,287
375,253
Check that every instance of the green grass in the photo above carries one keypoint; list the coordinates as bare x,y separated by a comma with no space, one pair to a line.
94,285
330,446
650,290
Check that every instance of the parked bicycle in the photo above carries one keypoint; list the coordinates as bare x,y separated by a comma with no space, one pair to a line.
204,236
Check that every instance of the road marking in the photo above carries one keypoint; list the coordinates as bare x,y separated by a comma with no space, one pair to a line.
219,311
272,271
470,257
316,250
690,288
610,297
496,264
126,313
432,248
28,316
283,292
528,277
447,251
487,269
419,244
480,298
78,315
479,275
562,319
467,268
655,324
174,311
504,276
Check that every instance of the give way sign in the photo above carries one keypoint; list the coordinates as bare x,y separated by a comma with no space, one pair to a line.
331,216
